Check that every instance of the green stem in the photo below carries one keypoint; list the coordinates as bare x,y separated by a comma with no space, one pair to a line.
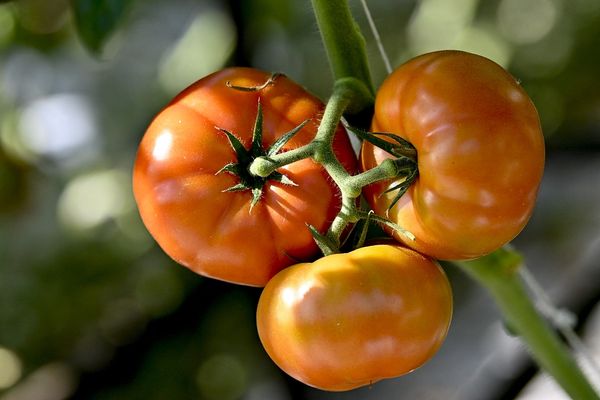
265,166
345,46
321,147
334,110
347,215
321,150
498,273
386,170
342,96
337,104
324,154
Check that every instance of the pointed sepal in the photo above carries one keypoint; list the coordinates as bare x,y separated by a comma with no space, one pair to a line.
236,188
401,147
364,230
256,195
401,187
281,178
231,168
392,225
324,243
257,147
242,154
283,139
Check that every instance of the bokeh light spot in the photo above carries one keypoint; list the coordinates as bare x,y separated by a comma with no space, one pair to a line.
527,21
92,199
58,126
436,24
54,381
26,76
11,140
547,58
203,48
485,42
10,368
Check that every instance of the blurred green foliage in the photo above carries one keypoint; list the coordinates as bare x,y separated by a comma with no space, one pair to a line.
97,19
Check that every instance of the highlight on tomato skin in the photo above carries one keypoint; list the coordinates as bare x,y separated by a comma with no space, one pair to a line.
199,216
480,154
350,320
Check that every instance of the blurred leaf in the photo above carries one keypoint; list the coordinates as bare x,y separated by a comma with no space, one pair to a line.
97,19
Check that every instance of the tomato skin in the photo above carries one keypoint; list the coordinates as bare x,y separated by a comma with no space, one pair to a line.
181,200
480,154
349,320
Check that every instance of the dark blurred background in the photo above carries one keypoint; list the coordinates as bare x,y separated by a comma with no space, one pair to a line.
90,308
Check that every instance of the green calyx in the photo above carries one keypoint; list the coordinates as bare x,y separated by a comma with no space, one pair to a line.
245,157
405,159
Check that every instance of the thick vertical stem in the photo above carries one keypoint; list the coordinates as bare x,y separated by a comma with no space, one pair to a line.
343,41
498,273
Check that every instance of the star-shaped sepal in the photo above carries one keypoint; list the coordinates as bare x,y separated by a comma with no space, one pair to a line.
405,156
248,181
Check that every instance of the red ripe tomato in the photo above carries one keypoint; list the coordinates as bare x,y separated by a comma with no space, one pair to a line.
480,154
349,320
183,200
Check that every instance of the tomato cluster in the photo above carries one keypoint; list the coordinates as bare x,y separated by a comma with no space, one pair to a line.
350,319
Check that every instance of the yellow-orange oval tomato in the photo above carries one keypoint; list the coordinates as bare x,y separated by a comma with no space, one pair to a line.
349,320
182,198
480,154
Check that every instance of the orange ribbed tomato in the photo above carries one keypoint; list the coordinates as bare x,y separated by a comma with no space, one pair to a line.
182,198
480,154
349,320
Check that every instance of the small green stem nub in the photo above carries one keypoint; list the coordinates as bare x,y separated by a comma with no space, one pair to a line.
386,170
264,166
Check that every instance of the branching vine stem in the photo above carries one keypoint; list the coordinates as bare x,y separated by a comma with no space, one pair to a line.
321,150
